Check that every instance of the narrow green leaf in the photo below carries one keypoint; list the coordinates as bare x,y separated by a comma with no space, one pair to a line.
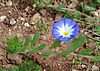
90,20
98,1
33,66
28,40
15,44
95,59
78,15
9,42
48,53
18,44
26,43
55,44
15,39
60,7
97,29
78,43
50,2
66,52
42,46
67,14
88,8
75,45
10,48
30,63
35,38
86,52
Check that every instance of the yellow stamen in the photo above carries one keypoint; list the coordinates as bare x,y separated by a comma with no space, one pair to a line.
65,33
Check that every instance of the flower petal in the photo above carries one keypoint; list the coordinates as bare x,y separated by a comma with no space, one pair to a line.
65,25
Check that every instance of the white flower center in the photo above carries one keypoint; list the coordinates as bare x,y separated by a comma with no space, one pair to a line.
66,33
65,30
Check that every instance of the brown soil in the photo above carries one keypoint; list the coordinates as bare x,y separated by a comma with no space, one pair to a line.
22,11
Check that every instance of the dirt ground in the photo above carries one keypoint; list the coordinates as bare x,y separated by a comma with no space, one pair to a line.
19,18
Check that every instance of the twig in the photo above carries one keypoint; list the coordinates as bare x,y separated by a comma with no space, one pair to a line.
71,10
82,21
76,11
90,31
93,33
93,38
84,55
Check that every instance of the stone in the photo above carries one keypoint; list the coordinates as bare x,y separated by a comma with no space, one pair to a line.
9,3
35,18
95,68
99,13
44,37
26,24
32,21
74,70
96,14
27,8
12,21
83,66
72,5
2,18
43,12
21,18
2,4
34,5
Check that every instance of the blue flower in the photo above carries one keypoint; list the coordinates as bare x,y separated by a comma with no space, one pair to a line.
65,29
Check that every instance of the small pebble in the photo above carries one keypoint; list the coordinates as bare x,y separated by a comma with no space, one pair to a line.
34,5
26,9
2,4
35,18
12,21
72,5
83,66
26,24
74,70
96,14
43,37
9,3
32,21
43,12
44,70
21,18
95,68
2,18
